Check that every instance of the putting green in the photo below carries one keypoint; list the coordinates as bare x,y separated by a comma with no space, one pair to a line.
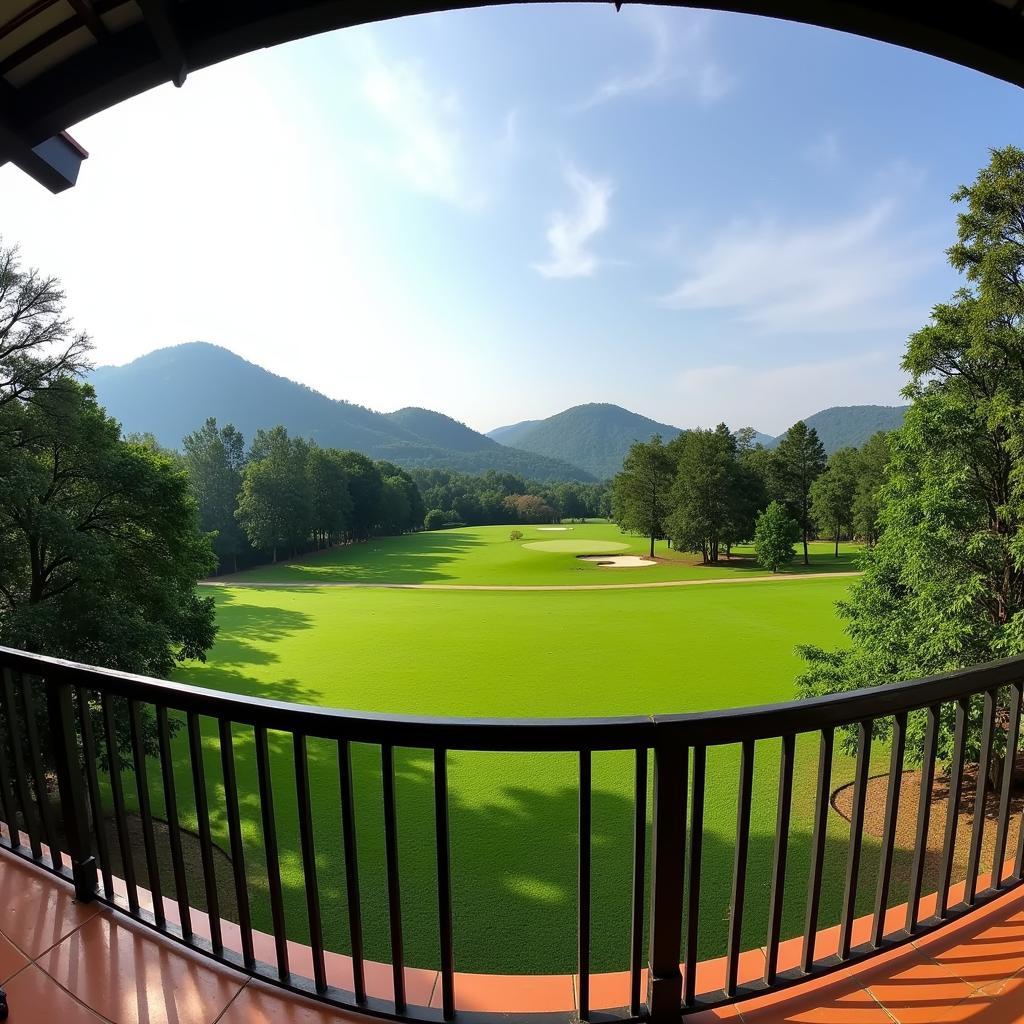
583,546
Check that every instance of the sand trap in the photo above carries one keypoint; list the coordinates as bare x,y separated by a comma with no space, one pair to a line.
586,547
618,561
553,529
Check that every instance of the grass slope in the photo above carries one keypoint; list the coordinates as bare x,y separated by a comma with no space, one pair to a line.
485,555
513,816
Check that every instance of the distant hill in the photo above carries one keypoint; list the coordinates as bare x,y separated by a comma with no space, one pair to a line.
598,435
170,392
849,426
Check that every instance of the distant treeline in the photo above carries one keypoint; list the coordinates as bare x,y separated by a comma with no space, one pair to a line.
494,498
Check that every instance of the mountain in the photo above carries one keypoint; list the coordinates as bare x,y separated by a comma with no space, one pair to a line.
598,435
849,426
170,392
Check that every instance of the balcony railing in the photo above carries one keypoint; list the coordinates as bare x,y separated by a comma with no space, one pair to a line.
138,718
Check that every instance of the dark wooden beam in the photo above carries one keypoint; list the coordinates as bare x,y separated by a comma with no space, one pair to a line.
85,10
160,22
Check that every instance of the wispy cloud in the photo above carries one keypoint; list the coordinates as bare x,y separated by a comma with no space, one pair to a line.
848,274
679,60
824,151
569,234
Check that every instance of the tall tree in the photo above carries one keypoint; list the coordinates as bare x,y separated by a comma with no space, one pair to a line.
873,461
833,493
366,485
331,501
38,345
797,461
641,490
944,586
774,536
214,457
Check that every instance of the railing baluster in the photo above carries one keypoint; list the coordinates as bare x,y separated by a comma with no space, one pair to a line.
856,838
387,761
270,846
668,846
348,832
67,765
924,810
302,792
739,871
444,883
145,811
1009,763
8,801
980,795
821,806
117,796
693,892
778,886
14,735
953,809
99,824
163,730
195,753
892,810
583,886
227,760
639,868
38,774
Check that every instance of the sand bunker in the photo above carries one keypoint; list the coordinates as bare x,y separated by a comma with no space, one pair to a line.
586,547
553,529
618,561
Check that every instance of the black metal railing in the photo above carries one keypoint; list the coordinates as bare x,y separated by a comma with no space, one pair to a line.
69,734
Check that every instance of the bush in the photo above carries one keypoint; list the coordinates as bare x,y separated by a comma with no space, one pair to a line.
516,535
435,519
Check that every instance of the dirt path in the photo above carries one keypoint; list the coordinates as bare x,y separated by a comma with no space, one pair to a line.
489,586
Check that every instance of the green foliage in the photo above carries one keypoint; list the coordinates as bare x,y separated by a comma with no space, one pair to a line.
943,588
873,462
435,519
641,492
515,535
797,461
850,426
834,492
775,536
529,508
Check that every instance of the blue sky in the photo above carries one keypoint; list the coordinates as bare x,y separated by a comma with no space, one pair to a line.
505,212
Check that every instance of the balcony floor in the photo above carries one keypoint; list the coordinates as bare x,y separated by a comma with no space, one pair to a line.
71,963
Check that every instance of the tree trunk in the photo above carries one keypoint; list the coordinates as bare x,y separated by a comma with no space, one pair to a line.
807,560
837,543
652,545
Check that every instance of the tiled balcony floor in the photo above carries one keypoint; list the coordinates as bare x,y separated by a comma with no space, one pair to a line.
69,963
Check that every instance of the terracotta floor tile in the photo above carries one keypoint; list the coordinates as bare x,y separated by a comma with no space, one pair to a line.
492,993
130,976
11,960
989,1009
982,956
34,997
36,909
916,990
822,1001
262,1004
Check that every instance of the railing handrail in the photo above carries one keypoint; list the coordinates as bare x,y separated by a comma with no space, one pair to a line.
702,728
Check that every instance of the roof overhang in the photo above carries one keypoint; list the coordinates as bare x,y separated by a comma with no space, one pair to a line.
64,60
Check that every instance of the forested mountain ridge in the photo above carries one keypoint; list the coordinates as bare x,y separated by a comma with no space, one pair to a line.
849,426
172,391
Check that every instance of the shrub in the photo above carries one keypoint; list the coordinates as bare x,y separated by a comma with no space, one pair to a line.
775,537
435,519
516,535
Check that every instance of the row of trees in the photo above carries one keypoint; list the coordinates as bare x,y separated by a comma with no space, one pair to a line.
483,499
289,494
705,489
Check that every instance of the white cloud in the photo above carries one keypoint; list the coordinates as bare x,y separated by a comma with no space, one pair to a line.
824,151
680,60
848,274
772,399
569,234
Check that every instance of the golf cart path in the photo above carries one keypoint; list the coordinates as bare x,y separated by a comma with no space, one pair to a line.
302,585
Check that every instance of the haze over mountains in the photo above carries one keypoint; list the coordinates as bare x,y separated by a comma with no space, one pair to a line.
171,391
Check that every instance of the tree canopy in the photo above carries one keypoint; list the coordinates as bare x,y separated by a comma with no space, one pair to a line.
641,491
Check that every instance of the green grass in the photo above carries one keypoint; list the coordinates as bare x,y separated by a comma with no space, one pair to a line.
513,816
485,555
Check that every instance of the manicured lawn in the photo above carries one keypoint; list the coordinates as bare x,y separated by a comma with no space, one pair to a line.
486,555
513,817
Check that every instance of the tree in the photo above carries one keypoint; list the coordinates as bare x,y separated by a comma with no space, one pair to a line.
275,505
100,545
873,461
331,502
943,588
797,461
38,346
434,520
834,492
213,459
529,508
365,484
641,490
395,505
775,536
